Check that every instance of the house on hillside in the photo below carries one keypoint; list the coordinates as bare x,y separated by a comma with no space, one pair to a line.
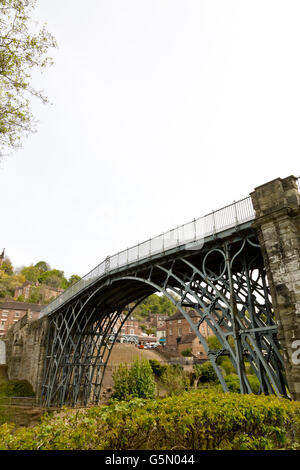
180,334
47,292
128,329
11,312
161,334
156,320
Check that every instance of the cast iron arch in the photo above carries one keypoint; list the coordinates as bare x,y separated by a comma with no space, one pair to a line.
234,303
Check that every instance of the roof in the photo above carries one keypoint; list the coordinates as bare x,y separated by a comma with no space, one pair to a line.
26,283
179,316
13,305
189,338
158,315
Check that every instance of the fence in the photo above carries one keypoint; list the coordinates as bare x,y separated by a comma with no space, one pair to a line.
29,402
195,231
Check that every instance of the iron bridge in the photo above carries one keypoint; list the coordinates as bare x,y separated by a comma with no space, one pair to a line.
213,265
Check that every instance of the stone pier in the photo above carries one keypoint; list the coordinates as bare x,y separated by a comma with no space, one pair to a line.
25,351
277,223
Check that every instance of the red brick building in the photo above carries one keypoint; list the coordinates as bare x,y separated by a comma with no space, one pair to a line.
131,326
161,334
180,335
11,312
47,292
156,320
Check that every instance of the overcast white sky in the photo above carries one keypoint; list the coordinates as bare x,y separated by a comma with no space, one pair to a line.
163,110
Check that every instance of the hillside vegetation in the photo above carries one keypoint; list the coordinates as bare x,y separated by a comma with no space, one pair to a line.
39,274
200,420
155,304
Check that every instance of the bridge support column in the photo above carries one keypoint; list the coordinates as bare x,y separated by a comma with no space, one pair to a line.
277,223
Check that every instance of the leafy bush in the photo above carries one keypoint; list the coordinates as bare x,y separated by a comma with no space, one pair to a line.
175,380
200,420
186,352
233,383
141,380
254,383
205,372
226,364
121,383
16,388
157,368
136,381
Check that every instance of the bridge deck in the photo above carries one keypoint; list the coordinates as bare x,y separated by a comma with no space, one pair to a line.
190,236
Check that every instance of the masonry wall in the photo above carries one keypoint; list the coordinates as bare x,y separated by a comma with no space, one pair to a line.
25,351
2,352
277,209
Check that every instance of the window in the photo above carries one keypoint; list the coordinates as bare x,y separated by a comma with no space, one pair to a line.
2,325
179,331
170,332
131,331
179,321
17,314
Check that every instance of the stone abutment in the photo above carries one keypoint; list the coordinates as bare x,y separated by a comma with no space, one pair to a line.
25,351
277,223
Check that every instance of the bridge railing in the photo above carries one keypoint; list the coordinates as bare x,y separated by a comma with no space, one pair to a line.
195,231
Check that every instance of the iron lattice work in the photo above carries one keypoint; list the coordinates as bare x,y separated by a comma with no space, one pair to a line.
225,283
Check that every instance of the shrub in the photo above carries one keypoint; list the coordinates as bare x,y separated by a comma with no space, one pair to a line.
175,380
186,352
205,372
227,366
141,380
233,383
157,368
121,383
137,381
254,383
196,420
16,388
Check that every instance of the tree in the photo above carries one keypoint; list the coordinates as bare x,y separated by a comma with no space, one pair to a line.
42,266
8,283
31,273
158,304
21,51
175,379
6,266
35,296
204,373
74,278
54,278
